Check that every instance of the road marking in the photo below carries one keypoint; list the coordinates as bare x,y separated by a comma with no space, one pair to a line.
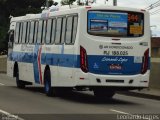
8,116
41,93
117,111
2,84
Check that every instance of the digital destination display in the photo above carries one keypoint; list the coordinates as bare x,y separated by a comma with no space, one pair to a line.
114,24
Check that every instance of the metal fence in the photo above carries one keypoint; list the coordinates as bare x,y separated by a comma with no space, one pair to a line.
3,64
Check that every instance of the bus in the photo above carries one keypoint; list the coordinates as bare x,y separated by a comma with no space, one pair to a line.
103,49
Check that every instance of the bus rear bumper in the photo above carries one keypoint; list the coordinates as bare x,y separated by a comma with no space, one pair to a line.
138,81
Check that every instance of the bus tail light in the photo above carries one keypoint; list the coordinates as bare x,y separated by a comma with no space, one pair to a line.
145,62
83,60
143,10
88,7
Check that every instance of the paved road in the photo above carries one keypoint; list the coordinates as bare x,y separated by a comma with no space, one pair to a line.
32,103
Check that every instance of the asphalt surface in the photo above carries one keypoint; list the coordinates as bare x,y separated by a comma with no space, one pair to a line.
32,104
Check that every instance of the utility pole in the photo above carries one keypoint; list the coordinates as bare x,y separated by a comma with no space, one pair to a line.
114,2
153,26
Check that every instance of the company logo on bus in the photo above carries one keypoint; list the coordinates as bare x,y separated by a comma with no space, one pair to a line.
115,67
100,46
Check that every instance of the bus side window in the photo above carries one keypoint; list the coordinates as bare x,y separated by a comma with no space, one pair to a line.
75,23
40,29
63,30
69,29
32,29
17,33
35,31
24,32
58,30
21,33
49,31
53,33
28,32
44,32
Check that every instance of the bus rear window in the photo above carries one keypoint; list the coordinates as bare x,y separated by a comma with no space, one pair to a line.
115,23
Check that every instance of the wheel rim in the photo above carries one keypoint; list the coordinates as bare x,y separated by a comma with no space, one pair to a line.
47,86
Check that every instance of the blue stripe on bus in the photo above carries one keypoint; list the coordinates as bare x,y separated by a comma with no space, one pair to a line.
35,64
97,64
64,60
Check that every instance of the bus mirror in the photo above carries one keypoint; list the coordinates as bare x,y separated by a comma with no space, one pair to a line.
10,44
11,36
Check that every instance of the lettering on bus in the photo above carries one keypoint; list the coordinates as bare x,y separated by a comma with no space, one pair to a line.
116,53
48,49
103,15
116,59
115,47
133,18
118,47
27,48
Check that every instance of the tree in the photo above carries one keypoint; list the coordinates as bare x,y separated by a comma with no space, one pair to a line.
15,8
67,2
50,2
22,7
81,3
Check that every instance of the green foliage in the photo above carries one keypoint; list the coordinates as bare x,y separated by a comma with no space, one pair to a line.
67,2
50,2
16,8
3,42
22,7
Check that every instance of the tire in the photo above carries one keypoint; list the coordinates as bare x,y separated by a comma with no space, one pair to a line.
47,83
19,83
103,93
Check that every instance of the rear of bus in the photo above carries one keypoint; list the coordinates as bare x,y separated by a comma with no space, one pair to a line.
114,45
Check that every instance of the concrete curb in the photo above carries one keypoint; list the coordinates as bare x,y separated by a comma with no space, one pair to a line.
155,60
3,56
3,72
3,64
141,95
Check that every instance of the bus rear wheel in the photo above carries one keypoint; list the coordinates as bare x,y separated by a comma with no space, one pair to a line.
47,83
102,93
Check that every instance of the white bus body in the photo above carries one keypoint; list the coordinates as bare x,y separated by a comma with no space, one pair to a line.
94,47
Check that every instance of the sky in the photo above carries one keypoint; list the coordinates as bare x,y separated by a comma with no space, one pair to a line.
142,4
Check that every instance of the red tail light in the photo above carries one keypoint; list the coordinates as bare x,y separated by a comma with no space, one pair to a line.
88,7
145,62
83,60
